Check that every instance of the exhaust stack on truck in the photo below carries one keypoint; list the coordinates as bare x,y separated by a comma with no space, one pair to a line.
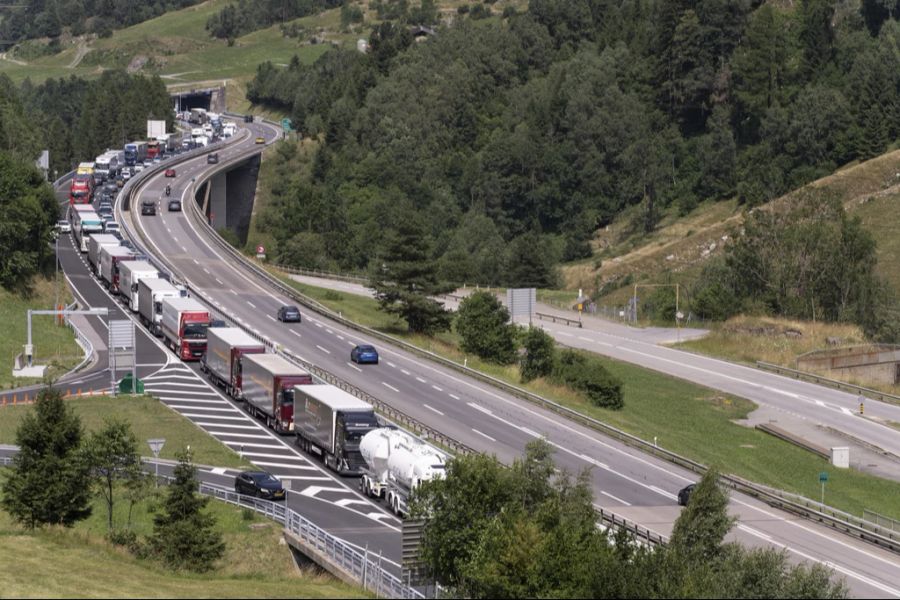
225,349
267,386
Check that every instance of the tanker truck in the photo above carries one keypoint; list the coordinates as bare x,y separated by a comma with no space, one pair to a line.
396,463
330,422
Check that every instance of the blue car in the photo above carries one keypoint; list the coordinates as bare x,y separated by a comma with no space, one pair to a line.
364,354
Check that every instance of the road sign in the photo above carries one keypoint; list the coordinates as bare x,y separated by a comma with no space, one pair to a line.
260,252
156,445
823,476
286,125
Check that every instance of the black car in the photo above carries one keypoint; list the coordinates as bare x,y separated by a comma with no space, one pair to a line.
684,495
289,314
259,484
111,188
148,207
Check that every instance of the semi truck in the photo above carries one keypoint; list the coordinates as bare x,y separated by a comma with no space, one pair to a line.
183,325
153,148
151,293
96,241
81,189
225,349
84,223
395,464
135,152
85,168
111,259
108,163
130,275
330,423
267,386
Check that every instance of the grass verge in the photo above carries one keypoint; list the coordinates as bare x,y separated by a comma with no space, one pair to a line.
685,418
79,562
54,344
148,419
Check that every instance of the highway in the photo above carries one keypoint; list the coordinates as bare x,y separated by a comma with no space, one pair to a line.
633,485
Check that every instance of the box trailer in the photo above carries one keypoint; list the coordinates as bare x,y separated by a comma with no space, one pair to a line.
267,387
225,349
151,293
130,274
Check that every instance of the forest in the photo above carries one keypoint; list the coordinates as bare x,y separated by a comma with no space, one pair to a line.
528,132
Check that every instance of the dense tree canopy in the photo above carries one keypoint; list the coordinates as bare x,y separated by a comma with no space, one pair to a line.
553,122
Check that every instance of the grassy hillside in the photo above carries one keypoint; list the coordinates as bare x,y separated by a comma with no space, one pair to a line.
54,344
177,47
148,418
79,562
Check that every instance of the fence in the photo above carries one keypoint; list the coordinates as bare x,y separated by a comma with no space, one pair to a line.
881,520
832,383
82,340
361,566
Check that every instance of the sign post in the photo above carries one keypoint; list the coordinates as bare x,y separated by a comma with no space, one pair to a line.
261,252
156,446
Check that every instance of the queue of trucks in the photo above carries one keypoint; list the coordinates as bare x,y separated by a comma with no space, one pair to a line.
325,421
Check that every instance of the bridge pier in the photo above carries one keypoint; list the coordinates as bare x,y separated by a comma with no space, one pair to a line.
227,198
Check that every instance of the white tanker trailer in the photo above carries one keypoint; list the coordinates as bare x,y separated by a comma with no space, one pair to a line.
396,463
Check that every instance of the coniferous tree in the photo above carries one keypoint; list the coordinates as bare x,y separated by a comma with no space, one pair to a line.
184,536
404,277
49,482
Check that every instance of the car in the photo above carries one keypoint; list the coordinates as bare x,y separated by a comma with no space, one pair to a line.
170,172
148,207
63,226
148,162
684,495
289,314
260,484
157,159
111,227
260,140
174,205
120,181
212,158
110,187
218,323
364,354
123,242
127,174
138,168
105,212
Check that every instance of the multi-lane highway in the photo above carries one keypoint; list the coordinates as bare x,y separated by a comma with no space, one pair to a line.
632,484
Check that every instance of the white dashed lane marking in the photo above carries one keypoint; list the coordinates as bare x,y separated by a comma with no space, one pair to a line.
389,386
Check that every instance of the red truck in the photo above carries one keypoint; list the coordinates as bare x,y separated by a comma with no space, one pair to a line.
268,389
225,348
184,327
81,189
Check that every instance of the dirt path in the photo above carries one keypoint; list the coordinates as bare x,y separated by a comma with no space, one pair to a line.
79,54
21,63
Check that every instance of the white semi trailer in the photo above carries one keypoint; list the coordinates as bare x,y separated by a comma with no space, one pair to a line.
396,463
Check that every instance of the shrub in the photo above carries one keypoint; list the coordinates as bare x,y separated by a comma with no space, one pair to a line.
588,375
540,352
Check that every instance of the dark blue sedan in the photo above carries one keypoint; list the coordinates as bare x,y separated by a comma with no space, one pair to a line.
364,354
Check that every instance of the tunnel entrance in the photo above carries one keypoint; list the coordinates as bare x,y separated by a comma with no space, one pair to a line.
188,100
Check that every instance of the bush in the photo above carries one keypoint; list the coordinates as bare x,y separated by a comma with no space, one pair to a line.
247,514
588,375
540,352
482,323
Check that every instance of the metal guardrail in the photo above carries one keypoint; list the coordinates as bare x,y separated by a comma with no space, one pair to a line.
322,274
82,341
641,534
832,383
555,318
361,566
